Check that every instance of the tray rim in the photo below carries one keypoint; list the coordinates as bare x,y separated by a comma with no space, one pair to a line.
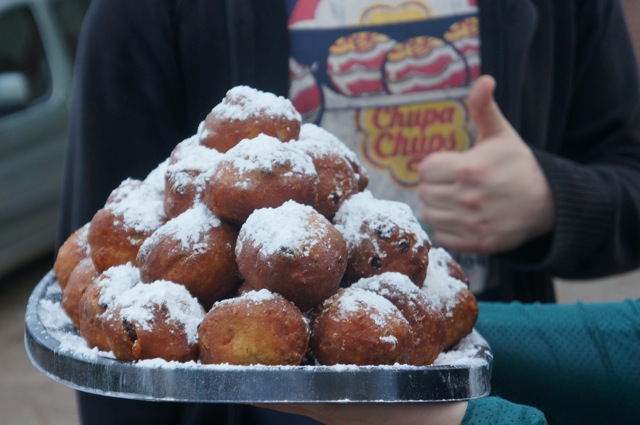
249,384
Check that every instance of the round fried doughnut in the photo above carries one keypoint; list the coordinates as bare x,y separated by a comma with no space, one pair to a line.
185,175
245,113
426,320
132,213
360,327
98,295
451,295
258,173
81,277
292,250
337,179
196,250
312,131
382,236
153,320
71,252
258,327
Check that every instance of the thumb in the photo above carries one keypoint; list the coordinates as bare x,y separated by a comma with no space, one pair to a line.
484,110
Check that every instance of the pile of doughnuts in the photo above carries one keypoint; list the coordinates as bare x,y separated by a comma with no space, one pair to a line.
257,242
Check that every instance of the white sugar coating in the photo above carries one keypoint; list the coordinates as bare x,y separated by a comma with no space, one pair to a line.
190,228
379,214
439,285
242,102
322,141
137,304
50,314
287,226
82,240
155,178
265,152
253,296
191,155
352,300
398,281
140,205
116,280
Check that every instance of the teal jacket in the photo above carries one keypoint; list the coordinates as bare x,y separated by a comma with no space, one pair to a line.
578,364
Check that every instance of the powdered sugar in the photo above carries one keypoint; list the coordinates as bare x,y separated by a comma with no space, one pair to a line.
116,280
190,164
155,178
288,226
379,214
324,142
190,228
439,286
264,153
139,204
137,304
379,309
242,102
398,281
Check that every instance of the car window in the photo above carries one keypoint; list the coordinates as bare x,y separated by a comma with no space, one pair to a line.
22,55
69,15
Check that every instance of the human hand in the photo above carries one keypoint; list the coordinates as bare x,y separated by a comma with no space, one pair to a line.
492,197
450,413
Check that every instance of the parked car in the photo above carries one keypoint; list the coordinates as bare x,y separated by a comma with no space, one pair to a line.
37,47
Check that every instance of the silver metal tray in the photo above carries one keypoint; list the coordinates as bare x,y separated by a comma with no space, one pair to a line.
55,348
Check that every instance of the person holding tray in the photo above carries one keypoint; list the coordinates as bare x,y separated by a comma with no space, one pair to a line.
566,83
576,363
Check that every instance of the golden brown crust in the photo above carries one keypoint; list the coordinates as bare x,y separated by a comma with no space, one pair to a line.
223,133
426,320
460,320
390,249
244,113
205,265
81,277
306,272
90,318
71,252
369,333
164,339
241,331
234,202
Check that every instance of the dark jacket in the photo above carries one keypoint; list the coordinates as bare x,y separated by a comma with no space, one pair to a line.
150,70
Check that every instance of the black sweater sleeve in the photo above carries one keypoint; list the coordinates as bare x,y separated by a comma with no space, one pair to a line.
594,170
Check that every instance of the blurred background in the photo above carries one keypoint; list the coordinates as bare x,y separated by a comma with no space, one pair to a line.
38,41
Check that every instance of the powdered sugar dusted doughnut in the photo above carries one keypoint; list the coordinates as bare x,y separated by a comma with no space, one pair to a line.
258,173
360,327
185,175
154,320
245,113
294,251
314,132
196,250
337,178
98,296
259,327
382,236
131,214
451,295
80,278
71,252
426,320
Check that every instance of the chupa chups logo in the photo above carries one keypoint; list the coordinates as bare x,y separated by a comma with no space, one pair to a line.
397,138
404,79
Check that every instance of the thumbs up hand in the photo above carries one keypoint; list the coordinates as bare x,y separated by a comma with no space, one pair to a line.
492,197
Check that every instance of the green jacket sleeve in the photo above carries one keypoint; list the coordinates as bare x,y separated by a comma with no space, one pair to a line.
576,363
497,411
